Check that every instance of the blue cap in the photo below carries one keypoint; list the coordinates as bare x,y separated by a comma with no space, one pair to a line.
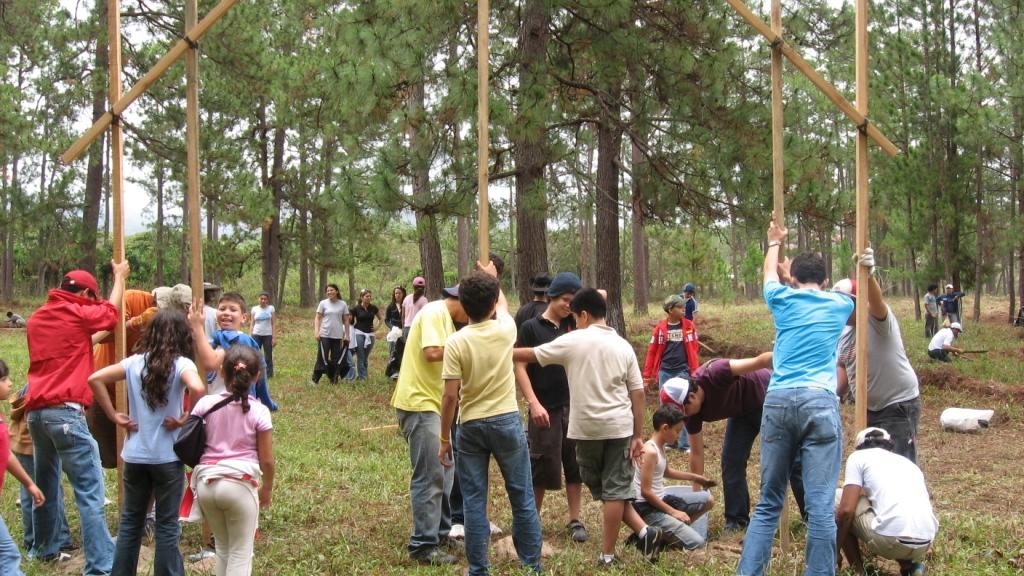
689,288
451,291
564,282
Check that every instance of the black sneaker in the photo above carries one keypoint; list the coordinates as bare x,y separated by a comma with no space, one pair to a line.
650,544
577,531
433,557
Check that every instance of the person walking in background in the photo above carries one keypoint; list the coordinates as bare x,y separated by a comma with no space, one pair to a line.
413,303
366,317
264,329
60,354
332,330
157,377
235,476
931,311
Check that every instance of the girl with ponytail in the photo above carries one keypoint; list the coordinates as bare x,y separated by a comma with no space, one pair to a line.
235,476
156,377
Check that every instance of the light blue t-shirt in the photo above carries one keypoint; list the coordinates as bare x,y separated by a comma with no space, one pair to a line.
808,324
152,444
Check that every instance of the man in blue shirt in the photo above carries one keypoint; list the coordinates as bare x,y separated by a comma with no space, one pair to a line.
950,303
801,410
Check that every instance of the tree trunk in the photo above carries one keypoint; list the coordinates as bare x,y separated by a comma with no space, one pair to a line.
609,145
94,173
305,274
641,280
158,276
426,221
270,241
530,146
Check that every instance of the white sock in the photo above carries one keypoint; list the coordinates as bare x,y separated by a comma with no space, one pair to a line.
642,533
607,557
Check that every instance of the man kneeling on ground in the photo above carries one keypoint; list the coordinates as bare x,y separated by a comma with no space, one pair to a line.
885,505
674,513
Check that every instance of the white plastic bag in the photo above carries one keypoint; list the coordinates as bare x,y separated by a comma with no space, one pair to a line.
394,334
965,419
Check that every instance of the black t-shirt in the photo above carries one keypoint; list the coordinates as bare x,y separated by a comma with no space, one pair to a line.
531,309
550,383
393,315
728,396
364,317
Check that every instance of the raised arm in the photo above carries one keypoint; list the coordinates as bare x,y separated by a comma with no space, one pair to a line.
207,359
776,235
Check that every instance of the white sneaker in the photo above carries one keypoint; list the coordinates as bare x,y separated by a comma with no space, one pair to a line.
495,530
458,532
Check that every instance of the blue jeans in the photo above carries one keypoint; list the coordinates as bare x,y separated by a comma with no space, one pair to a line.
346,360
61,439
141,481
430,483
25,500
684,442
364,344
10,556
503,437
796,422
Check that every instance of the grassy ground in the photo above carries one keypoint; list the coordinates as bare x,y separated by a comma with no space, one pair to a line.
341,500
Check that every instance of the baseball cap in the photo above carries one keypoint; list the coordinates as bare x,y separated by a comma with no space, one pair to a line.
83,279
949,285
451,291
180,295
564,282
674,391
419,281
846,286
956,326
672,301
871,432
539,284
689,287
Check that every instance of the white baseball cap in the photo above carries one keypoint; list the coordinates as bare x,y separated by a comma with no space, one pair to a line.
674,391
956,326
874,432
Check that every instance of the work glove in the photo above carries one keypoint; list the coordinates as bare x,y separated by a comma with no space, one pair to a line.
867,260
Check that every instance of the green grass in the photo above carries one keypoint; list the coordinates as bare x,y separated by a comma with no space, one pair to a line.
341,503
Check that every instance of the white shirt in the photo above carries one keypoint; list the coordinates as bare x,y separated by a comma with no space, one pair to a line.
895,487
941,339
262,324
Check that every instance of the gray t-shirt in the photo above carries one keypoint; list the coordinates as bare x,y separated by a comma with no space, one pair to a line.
891,378
930,304
332,321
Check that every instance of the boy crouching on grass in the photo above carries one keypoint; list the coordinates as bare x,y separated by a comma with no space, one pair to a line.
606,411
674,513
479,379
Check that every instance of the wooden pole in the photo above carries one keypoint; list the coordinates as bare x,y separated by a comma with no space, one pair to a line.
117,198
861,420
483,237
173,55
778,185
819,82
195,235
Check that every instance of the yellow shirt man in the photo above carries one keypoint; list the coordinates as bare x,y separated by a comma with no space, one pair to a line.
419,381
480,355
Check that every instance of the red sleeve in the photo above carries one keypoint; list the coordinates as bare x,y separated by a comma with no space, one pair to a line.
653,360
98,317
691,344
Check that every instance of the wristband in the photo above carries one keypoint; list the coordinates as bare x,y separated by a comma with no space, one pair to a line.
445,440
774,243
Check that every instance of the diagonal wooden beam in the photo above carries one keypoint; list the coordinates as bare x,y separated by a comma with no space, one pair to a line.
860,120
173,55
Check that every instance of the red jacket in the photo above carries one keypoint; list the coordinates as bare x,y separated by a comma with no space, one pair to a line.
657,347
60,348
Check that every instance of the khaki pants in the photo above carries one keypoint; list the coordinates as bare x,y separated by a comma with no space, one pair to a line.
232,512
885,546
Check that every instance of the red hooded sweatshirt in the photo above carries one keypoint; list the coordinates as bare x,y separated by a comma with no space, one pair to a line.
658,339
60,348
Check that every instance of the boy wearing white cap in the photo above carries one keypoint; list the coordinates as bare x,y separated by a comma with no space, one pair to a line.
942,343
885,505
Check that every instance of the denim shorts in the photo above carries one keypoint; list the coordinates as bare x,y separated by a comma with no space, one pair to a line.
606,468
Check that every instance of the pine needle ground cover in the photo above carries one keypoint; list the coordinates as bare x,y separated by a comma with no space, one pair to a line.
341,499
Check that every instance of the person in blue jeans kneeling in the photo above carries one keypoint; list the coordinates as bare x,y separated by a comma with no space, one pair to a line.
479,380
801,410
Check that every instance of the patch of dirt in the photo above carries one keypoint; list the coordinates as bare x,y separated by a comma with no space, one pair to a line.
947,378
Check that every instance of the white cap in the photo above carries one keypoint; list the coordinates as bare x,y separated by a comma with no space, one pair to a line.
956,326
674,391
949,285
872,431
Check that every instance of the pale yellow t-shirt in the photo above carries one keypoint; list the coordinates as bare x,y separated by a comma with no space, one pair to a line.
419,385
602,370
481,356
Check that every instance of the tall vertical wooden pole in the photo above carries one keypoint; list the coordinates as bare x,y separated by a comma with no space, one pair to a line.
195,233
861,419
779,182
117,197
483,238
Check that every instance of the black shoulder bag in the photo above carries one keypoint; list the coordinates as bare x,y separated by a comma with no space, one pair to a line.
191,442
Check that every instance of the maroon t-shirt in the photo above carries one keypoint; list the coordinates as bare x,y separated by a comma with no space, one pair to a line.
728,396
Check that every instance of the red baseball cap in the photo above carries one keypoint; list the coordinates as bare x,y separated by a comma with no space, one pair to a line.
83,279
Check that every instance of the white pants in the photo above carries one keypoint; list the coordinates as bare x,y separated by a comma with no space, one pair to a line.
232,512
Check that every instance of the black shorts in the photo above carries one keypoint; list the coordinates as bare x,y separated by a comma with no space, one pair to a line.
552,452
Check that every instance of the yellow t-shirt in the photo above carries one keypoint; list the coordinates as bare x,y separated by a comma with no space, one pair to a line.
481,356
419,385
